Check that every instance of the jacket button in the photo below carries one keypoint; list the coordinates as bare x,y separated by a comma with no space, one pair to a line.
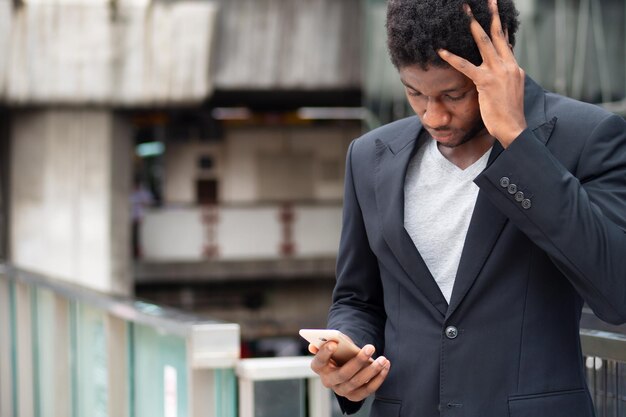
519,196
452,332
526,204
512,188
504,182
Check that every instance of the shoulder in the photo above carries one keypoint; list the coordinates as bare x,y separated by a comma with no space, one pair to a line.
587,138
579,116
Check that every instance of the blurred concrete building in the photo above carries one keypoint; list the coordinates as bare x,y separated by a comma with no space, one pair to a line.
235,115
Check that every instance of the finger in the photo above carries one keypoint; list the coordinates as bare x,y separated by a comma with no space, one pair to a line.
363,377
483,41
367,381
498,37
321,360
368,389
374,383
355,365
364,357
460,64
313,349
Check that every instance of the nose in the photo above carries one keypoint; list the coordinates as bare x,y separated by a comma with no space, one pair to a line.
435,115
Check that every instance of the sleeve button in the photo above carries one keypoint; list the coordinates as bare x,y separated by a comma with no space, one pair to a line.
512,188
504,182
519,196
526,204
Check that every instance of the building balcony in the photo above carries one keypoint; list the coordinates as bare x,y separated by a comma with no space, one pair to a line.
238,242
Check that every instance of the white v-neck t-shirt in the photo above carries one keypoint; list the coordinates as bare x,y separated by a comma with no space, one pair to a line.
439,200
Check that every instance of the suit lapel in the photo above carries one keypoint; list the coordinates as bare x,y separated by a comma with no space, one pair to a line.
487,221
484,229
392,162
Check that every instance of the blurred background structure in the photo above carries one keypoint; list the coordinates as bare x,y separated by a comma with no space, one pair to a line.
191,153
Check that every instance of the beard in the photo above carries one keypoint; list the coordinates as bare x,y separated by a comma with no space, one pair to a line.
478,127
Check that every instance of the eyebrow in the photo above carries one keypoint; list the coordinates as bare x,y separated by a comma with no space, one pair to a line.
448,90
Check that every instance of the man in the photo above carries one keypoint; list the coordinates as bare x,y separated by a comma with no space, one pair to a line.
474,232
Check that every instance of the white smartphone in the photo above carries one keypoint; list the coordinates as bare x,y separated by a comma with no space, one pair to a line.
346,349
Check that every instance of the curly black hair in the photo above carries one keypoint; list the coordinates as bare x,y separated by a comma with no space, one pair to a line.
416,29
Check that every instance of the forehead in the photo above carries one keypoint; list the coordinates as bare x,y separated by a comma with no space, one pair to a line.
433,79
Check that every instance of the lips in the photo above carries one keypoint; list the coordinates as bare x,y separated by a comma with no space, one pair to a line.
441,136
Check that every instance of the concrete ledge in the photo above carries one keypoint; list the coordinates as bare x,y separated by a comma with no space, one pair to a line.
265,369
216,271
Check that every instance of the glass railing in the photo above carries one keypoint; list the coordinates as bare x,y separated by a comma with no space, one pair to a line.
71,352
68,351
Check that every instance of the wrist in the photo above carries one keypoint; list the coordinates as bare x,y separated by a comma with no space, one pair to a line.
508,137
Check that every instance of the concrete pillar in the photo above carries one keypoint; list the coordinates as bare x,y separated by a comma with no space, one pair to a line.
4,181
6,21
70,182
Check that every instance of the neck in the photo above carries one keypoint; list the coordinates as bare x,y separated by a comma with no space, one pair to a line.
469,152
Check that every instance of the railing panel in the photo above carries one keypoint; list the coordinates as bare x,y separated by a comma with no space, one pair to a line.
6,346
281,398
160,373
118,358
225,393
283,379
89,348
51,358
261,380
23,350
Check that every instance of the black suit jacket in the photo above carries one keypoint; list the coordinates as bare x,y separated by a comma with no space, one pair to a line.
528,264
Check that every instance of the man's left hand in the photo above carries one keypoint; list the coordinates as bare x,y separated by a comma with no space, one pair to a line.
499,80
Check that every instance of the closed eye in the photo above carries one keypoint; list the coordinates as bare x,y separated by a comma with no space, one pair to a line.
455,97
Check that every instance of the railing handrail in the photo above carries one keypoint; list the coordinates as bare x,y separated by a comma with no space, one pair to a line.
603,344
266,369
214,343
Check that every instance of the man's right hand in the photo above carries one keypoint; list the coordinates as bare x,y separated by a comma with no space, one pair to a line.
357,379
